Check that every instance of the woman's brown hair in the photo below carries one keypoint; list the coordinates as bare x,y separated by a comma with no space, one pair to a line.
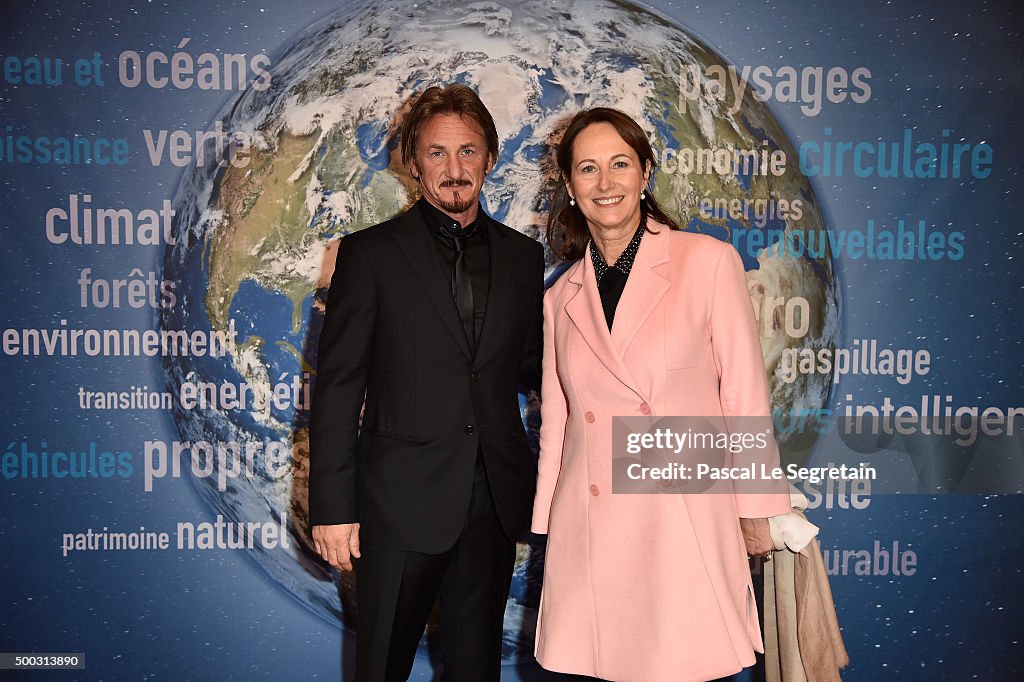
566,223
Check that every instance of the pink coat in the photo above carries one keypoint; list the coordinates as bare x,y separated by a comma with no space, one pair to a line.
646,588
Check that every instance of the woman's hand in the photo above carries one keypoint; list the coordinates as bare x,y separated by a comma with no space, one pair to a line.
757,537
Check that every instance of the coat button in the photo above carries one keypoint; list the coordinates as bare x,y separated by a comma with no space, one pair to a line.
589,416
468,430
645,408
594,490
475,376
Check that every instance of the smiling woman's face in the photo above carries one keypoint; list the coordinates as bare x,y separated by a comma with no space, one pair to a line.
606,181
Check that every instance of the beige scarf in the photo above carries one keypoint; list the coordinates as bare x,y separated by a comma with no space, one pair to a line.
802,641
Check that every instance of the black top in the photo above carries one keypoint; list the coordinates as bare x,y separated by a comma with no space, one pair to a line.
478,253
611,279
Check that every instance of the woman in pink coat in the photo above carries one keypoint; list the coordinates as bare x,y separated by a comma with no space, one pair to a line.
648,321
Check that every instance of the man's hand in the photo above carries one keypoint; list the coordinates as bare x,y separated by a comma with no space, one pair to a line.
757,536
337,544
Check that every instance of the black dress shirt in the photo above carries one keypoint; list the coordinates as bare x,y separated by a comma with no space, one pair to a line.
611,279
478,254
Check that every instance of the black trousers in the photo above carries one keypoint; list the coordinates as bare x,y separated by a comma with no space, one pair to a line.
396,590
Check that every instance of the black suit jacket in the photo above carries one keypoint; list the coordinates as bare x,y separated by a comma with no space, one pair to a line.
393,336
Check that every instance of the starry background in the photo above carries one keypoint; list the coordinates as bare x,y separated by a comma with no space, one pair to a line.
212,615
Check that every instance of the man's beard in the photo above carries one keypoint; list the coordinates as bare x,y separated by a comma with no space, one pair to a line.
457,204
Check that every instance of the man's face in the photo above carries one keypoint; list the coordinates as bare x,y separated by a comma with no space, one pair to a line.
450,163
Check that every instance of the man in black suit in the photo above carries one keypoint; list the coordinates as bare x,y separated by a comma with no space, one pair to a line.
434,320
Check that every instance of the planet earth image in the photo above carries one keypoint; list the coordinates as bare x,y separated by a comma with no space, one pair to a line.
256,241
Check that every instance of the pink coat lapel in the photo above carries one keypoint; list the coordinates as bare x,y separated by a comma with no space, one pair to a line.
644,290
645,287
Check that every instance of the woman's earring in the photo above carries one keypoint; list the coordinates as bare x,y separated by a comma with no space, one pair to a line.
572,202
643,195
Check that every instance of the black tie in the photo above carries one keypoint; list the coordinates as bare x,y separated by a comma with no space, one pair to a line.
462,289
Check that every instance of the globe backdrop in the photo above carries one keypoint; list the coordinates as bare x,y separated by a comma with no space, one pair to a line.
256,242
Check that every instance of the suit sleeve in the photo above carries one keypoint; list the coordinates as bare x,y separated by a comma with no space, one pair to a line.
530,369
554,412
342,365
743,385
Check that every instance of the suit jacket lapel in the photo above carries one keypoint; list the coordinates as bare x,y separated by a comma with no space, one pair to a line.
414,240
500,291
585,311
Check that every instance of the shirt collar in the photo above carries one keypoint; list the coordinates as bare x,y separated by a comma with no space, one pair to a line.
440,222
625,261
